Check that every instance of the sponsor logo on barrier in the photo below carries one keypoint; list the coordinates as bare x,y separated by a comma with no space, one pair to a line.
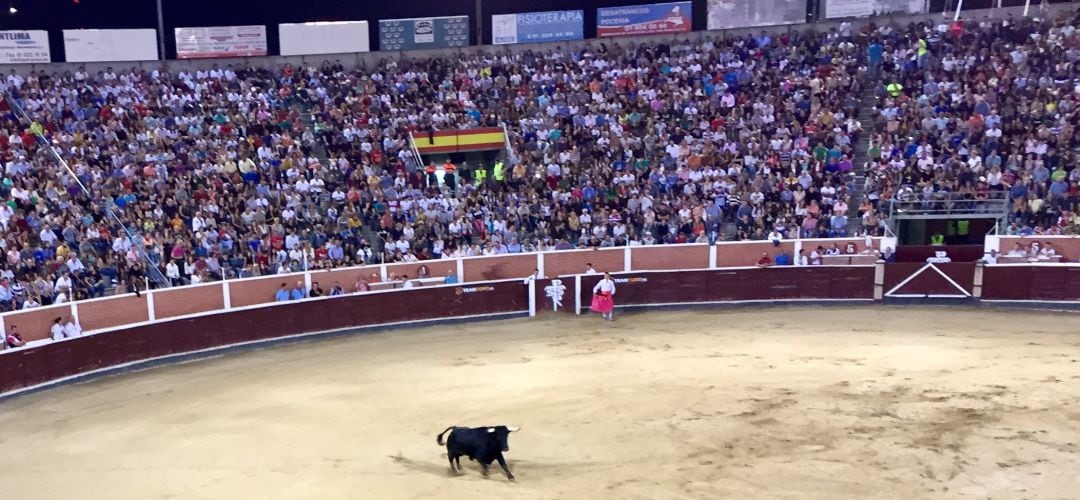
474,289
631,280
555,292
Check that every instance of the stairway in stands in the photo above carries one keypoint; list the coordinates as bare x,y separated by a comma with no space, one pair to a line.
318,150
857,187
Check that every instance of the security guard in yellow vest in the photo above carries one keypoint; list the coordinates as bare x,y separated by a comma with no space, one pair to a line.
480,176
894,88
499,173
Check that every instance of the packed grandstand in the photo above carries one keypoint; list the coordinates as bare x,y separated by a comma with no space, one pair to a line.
240,171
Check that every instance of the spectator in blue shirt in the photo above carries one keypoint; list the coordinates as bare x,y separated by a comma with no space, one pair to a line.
451,278
298,291
282,294
7,300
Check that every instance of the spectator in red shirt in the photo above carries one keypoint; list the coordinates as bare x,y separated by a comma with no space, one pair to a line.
13,338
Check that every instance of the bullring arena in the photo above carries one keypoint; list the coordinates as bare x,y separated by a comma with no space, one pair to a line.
255,254
835,394
770,403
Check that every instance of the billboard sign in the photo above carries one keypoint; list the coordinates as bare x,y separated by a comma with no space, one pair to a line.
727,14
424,33
336,37
221,41
532,27
24,46
646,19
862,8
110,45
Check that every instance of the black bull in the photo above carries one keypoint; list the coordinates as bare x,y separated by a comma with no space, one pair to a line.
481,444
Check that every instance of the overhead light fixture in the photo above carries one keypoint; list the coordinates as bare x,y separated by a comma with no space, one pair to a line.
13,10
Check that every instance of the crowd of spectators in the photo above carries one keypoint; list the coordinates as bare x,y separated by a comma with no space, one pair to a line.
979,111
227,171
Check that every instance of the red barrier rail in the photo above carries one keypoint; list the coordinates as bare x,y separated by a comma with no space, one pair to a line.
163,341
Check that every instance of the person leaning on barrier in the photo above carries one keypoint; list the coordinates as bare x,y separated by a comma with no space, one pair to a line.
57,329
14,339
298,291
282,294
72,328
336,290
316,290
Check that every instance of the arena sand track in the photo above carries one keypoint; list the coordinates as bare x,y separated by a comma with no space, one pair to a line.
777,403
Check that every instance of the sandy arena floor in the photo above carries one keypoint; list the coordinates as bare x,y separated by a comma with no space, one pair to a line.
781,403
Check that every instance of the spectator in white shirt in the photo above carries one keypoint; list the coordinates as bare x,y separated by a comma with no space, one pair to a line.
63,283
72,328
172,271
74,265
57,329
1048,251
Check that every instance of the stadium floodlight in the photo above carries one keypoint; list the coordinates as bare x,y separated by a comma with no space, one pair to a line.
12,10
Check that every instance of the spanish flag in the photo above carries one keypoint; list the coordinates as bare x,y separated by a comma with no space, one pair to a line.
459,141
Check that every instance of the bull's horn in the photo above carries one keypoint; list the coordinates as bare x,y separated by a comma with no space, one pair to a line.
512,428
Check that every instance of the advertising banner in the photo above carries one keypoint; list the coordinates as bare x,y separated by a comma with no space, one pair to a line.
726,14
423,33
110,45
644,19
24,46
538,27
337,37
861,8
220,41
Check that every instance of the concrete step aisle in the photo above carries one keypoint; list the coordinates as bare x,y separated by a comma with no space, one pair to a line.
857,190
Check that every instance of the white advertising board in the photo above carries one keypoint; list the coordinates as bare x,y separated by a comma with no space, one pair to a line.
835,9
324,38
24,46
110,45
220,41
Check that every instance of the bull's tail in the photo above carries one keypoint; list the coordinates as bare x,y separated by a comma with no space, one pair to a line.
438,439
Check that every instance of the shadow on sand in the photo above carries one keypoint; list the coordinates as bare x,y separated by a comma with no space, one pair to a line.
472,469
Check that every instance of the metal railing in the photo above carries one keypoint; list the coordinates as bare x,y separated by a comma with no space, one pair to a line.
947,205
